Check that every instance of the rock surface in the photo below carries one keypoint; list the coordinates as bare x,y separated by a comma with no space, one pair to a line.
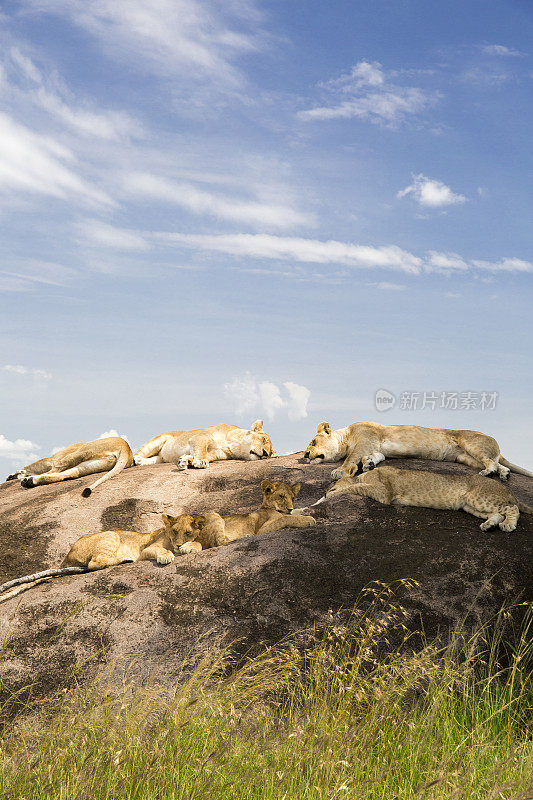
147,620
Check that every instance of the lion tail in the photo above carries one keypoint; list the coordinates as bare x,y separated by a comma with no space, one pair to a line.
125,459
514,468
14,587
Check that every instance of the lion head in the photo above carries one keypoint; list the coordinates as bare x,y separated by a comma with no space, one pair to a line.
279,496
324,446
184,528
253,444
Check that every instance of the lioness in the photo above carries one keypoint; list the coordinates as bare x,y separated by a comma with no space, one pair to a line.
275,513
199,447
474,494
76,461
109,548
105,549
370,442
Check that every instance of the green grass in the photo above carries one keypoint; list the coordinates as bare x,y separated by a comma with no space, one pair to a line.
344,721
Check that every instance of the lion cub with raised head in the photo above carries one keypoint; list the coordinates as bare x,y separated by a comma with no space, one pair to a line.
474,494
369,443
274,515
108,548
199,447
76,461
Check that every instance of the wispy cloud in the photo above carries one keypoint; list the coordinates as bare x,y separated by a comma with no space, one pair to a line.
170,37
387,286
19,369
28,274
100,234
366,92
299,249
45,91
200,201
37,164
499,50
431,193
247,394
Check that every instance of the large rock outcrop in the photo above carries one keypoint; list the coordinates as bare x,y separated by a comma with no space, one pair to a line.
149,619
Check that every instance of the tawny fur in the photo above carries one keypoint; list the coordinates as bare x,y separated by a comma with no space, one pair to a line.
275,514
474,494
108,548
199,447
369,443
76,461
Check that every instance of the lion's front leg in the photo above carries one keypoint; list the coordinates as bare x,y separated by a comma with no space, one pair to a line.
287,521
366,453
199,458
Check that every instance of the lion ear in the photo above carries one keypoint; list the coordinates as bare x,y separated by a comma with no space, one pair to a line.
295,488
257,426
267,487
199,521
168,521
324,427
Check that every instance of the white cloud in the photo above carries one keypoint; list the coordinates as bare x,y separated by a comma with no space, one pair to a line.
20,449
247,394
27,274
505,265
299,249
499,50
178,37
366,93
18,369
113,432
431,193
100,234
387,286
298,398
28,83
32,163
200,201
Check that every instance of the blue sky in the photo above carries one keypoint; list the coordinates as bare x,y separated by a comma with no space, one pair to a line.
218,211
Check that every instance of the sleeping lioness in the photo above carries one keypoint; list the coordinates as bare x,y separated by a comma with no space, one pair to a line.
76,461
275,513
368,443
199,447
475,494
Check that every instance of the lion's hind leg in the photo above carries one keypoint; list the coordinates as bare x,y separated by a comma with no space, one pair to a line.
485,451
85,468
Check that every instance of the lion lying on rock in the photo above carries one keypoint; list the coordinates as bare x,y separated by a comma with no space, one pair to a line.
275,514
474,494
199,447
369,443
76,461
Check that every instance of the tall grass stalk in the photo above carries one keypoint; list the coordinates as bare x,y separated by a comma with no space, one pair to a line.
348,719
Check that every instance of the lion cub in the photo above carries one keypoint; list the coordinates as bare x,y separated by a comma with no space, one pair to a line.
275,513
108,548
474,494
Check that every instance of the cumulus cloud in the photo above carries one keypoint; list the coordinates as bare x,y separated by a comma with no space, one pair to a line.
113,432
18,369
366,92
20,450
431,193
202,201
247,394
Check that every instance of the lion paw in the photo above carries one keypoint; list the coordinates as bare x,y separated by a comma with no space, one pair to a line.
368,464
338,473
183,463
310,521
188,547
167,558
504,473
507,527
199,463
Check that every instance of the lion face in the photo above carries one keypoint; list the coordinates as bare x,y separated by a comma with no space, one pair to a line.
184,528
324,446
279,496
253,444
